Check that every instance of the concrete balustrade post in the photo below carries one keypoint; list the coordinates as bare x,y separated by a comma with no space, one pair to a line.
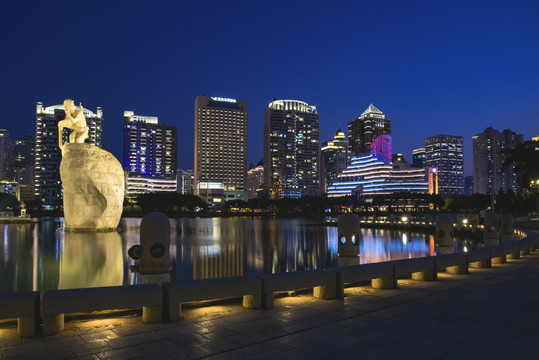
481,264
499,260
325,292
424,275
252,301
53,324
152,314
457,269
383,283
26,326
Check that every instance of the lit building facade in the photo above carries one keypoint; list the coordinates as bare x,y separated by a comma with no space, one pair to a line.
291,149
24,160
6,163
220,148
468,186
185,180
418,157
490,176
367,127
137,184
445,154
333,159
47,183
150,148
255,181
375,174
368,176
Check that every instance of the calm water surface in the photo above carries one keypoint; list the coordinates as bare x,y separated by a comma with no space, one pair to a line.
39,256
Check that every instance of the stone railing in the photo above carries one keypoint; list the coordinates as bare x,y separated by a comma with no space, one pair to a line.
164,302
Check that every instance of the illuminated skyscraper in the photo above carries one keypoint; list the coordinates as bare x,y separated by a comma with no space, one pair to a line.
150,148
220,148
6,158
24,160
444,153
255,181
291,149
47,183
489,174
334,158
418,157
367,127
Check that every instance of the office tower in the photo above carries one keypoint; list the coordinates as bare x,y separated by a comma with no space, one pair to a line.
6,158
47,183
490,176
444,153
333,159
255,181
186,181
150,148
418,157
291,149
24,160
374,174
468,186
220,148
367,127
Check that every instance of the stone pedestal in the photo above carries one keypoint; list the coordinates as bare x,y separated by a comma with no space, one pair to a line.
252,301
53,324
325,292
93,182
424,275
383,283
481,264
457,269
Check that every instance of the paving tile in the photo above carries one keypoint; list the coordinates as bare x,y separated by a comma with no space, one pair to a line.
91,348
99,336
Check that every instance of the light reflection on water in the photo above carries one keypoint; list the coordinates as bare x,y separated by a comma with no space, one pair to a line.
39,257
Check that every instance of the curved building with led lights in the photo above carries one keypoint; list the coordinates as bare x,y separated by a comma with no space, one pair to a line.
373,174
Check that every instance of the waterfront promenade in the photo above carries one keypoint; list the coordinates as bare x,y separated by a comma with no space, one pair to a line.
486,314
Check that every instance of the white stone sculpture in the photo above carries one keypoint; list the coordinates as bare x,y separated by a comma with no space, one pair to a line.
92,179
74,120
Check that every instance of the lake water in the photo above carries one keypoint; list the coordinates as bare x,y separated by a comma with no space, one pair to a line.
41,256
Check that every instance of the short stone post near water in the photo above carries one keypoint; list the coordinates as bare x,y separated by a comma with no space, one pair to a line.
348,234
507,229
444,227
153,254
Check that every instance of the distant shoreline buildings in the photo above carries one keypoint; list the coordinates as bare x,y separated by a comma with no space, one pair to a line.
294,164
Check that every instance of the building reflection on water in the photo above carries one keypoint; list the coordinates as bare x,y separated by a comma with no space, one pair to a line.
38,256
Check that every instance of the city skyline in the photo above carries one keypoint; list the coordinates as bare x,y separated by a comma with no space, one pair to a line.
433,68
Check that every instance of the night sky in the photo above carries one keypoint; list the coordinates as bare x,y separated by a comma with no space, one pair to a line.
433,67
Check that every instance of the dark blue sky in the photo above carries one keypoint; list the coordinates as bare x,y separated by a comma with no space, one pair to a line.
433,67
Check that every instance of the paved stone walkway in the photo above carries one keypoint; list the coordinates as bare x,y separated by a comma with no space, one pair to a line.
487,314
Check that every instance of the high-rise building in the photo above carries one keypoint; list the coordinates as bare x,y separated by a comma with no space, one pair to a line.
24,160
255,181
418,157
185,180
374,174
444,153
468,186
490,176
220,148
150,148
367,127
6,158
334,159
47,182
291,149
